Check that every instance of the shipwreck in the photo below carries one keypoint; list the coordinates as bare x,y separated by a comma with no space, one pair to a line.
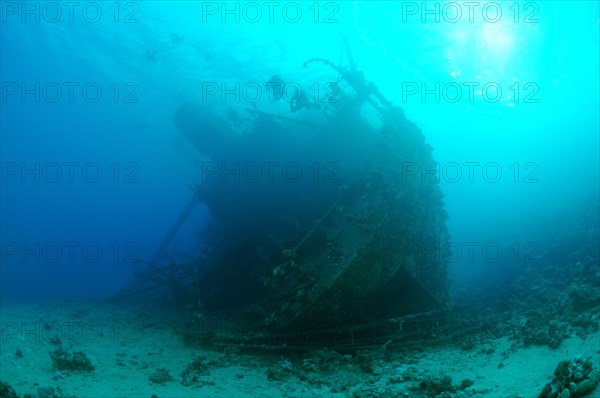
330,236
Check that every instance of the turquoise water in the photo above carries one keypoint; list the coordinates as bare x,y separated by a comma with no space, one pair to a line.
113,116
543,121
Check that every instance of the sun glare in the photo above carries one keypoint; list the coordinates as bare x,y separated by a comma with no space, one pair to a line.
497,40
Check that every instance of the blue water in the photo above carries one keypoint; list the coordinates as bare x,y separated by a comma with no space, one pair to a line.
75,236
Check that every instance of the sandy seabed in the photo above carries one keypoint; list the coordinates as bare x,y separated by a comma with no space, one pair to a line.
136,352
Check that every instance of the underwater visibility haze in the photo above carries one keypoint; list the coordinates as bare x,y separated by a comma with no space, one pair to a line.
299,199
